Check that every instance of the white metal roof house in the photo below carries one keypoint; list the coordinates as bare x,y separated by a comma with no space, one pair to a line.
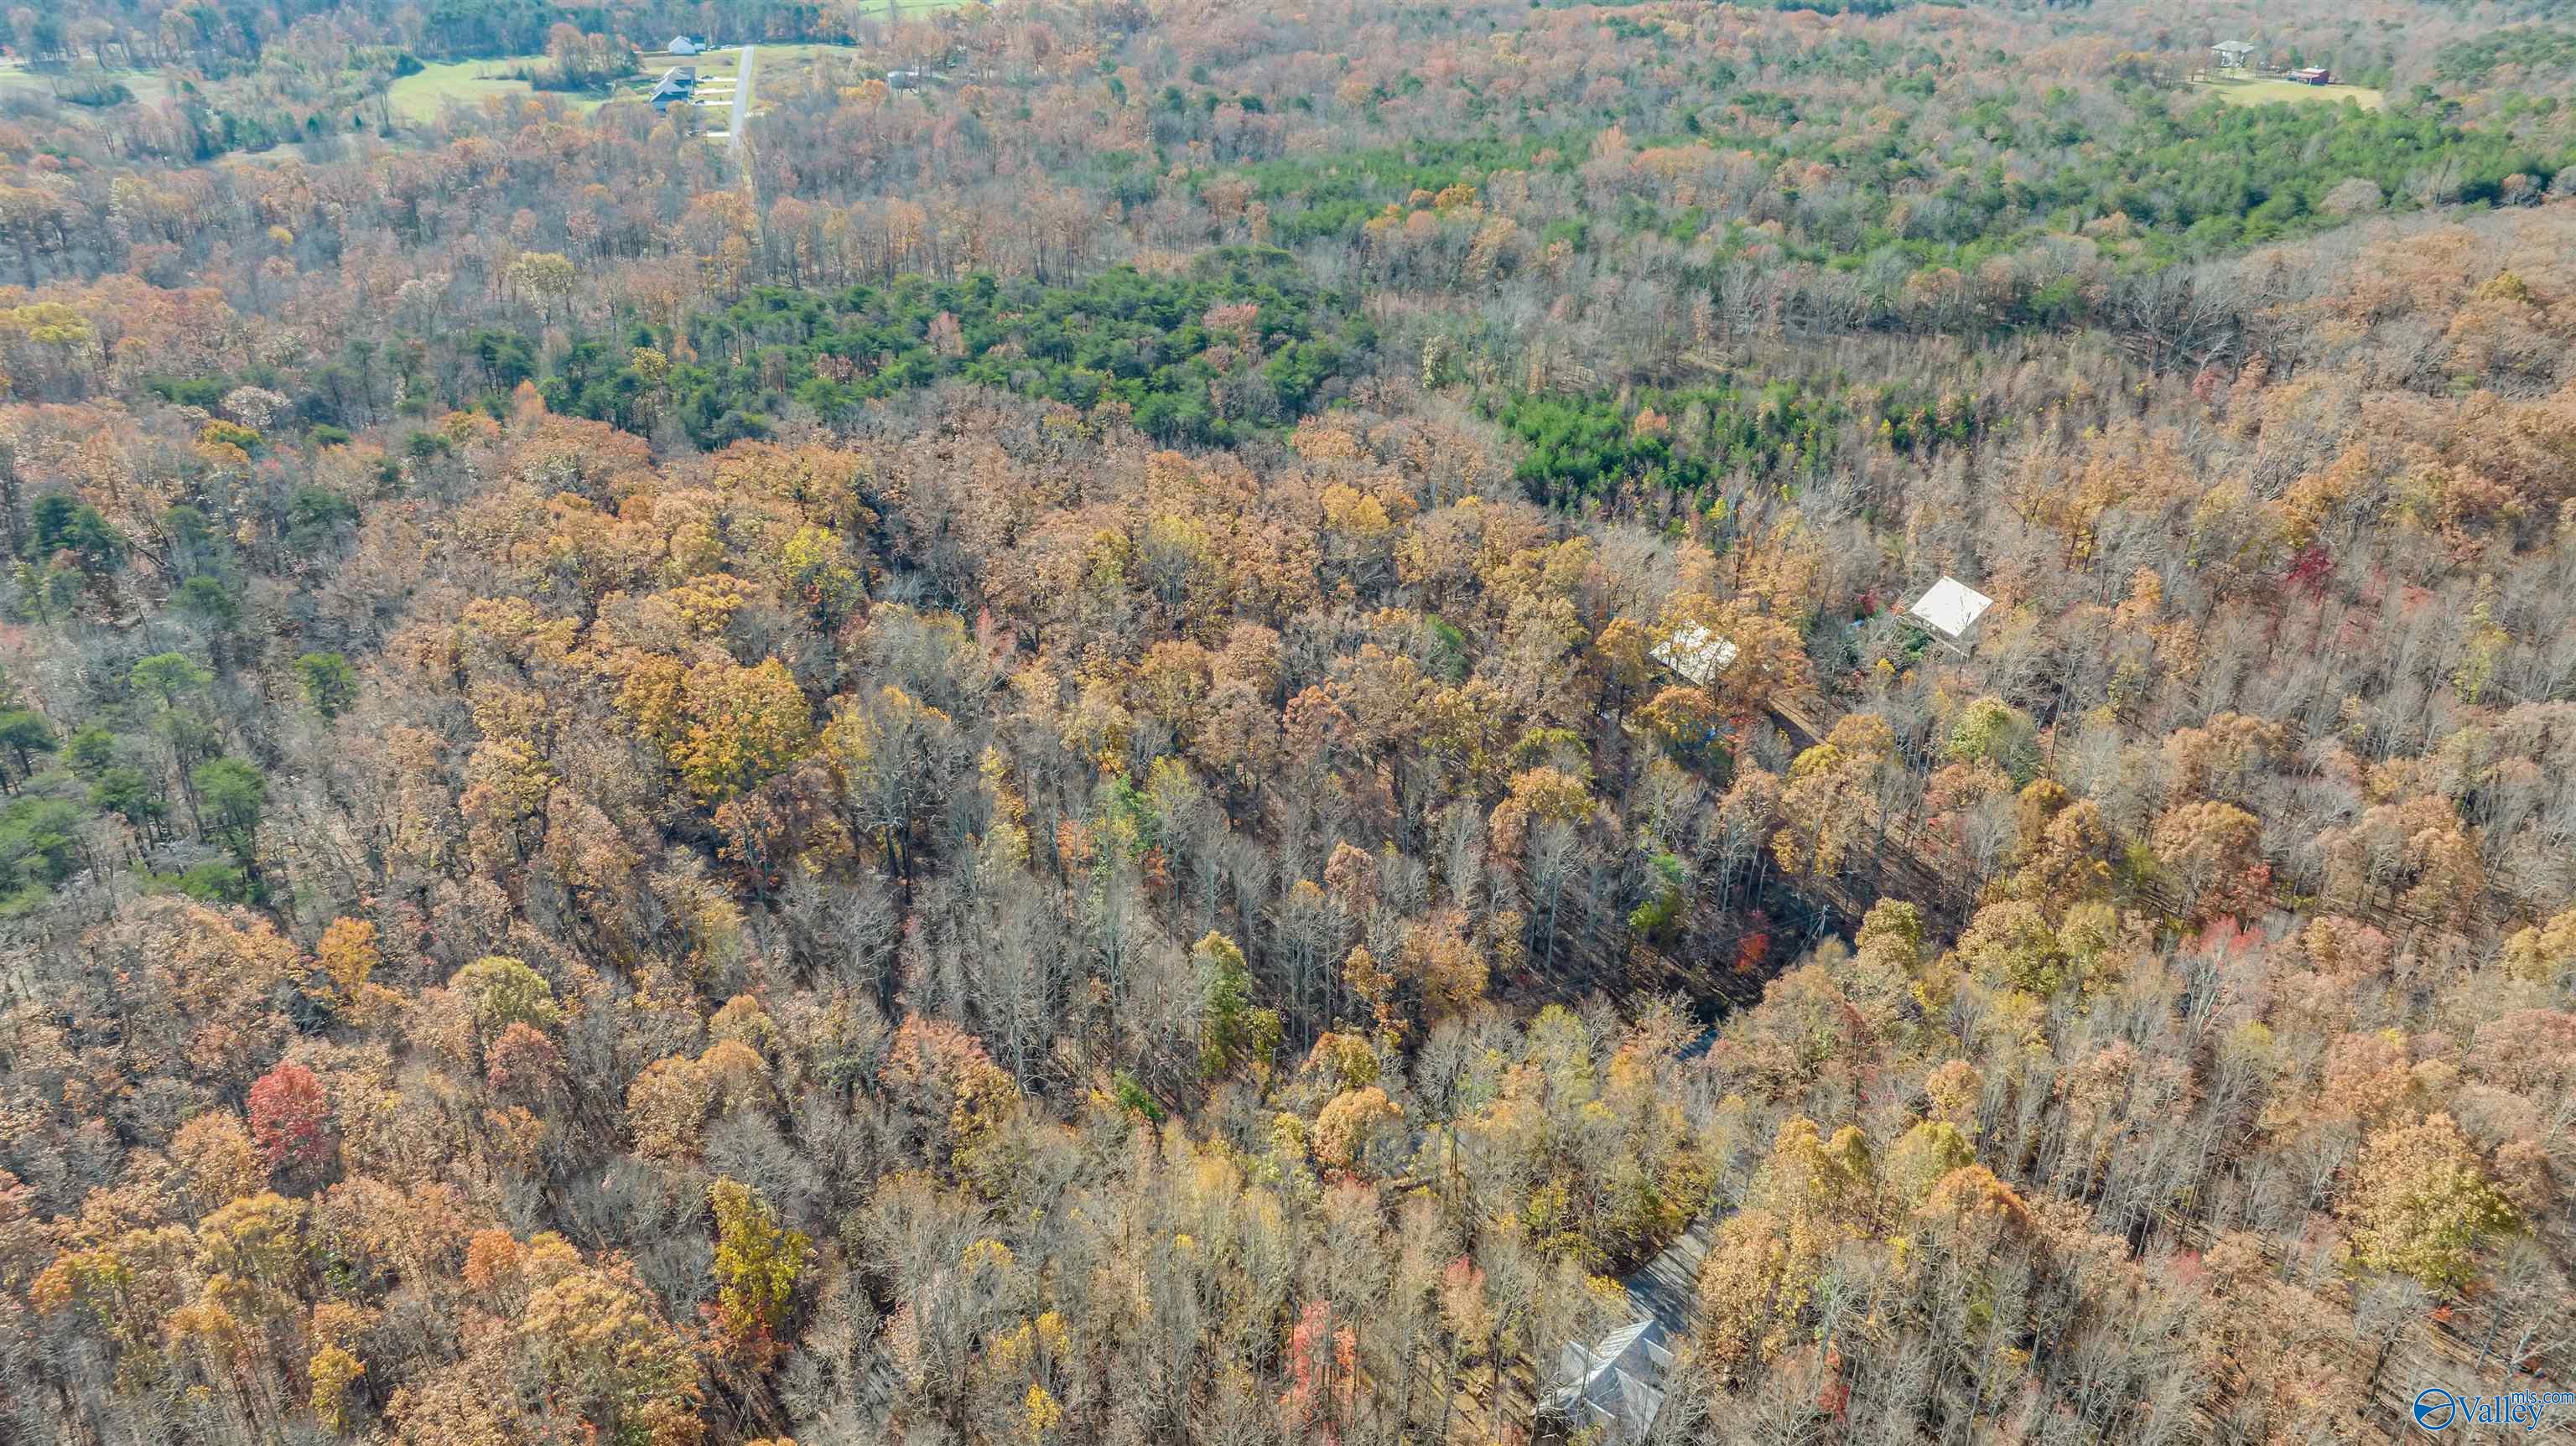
1696,653
1950,608
686,45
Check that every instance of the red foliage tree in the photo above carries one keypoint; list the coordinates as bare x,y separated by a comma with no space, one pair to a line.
290,1118
523,1063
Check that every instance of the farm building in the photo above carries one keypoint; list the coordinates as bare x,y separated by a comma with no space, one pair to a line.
687,45
2313,75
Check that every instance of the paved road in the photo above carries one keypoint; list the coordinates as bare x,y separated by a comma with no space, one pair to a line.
1668,1287
741,98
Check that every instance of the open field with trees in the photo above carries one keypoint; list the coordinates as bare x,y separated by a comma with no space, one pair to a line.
1191,722
419,97
88,86
2254,90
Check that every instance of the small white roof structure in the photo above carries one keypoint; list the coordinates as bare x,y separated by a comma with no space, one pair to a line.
1950,608
1696,653
683,45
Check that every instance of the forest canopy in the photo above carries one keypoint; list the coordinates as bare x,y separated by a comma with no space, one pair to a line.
1151,721
1242,340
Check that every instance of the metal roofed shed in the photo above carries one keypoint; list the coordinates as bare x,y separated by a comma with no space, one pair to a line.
1950,608
1696,653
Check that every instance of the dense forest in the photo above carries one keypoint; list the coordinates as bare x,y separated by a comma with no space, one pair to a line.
1141,721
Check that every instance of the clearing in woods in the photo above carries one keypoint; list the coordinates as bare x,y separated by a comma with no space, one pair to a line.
417,98
2248,90
789,61
144,86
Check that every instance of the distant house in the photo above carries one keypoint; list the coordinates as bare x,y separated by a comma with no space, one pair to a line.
687,45
908,79
678,84
2232,54
2313,75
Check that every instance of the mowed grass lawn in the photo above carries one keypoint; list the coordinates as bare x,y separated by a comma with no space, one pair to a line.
417,98
781,63
777,58
146,85
2249,91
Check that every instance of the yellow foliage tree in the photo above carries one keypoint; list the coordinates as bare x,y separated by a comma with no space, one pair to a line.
605,1352
333,1371
744,724
1832,795
2422,1205
1348,1122
757,1265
